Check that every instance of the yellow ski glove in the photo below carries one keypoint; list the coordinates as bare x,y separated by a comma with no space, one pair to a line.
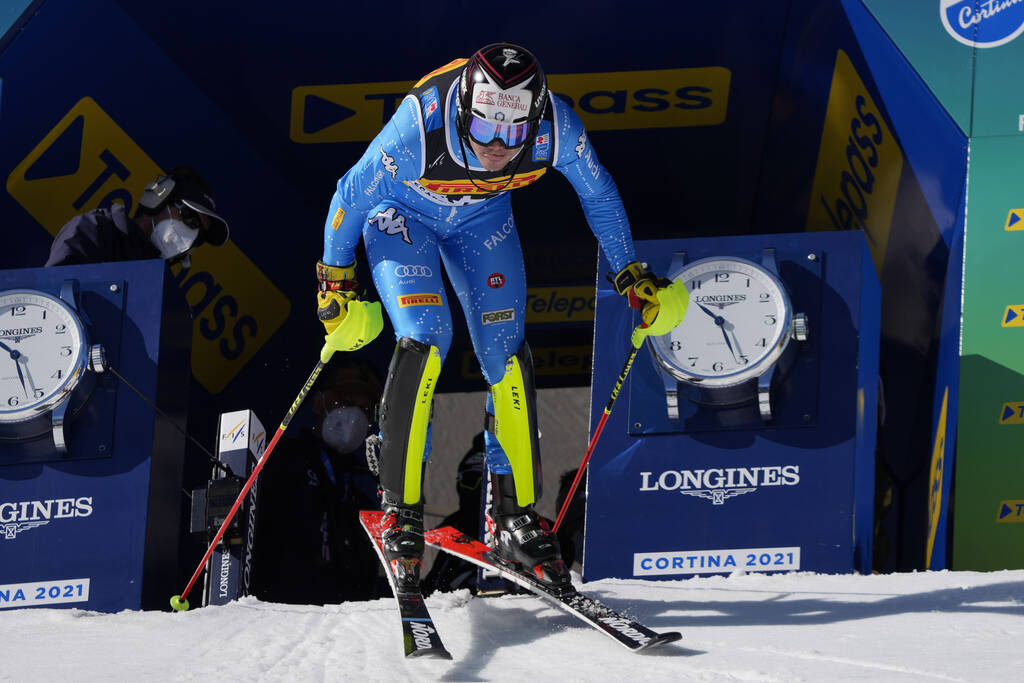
337,287
662,303
349,322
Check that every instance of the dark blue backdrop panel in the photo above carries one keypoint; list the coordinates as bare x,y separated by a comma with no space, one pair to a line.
222,100
811,506
119,550
934,144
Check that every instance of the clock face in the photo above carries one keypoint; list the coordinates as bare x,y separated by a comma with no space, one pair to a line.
42,353
736,326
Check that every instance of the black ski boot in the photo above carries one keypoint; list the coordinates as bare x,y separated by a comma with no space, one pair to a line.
402,538
522,539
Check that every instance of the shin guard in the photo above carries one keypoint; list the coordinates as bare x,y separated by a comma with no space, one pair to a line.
515,424
404,416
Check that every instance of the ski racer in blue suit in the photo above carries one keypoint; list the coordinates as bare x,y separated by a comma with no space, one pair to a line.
432,189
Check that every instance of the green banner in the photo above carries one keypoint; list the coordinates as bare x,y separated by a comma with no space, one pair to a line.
988,512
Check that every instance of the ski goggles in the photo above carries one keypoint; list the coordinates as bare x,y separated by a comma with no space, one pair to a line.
485,132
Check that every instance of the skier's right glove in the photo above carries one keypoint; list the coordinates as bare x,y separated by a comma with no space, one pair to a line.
337,287
349,322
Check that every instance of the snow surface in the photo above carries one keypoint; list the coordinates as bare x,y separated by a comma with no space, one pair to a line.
946,626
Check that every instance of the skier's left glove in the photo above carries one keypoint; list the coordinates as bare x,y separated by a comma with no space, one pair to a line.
662,303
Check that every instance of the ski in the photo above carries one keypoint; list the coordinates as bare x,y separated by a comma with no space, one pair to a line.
622,629
419,635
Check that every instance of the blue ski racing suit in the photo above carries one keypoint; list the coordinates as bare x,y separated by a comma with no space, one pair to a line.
415,206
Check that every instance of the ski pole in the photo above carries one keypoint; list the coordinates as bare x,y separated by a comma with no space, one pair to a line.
597,433
334,342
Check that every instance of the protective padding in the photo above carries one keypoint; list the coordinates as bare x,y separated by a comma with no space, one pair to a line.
404,417
515,424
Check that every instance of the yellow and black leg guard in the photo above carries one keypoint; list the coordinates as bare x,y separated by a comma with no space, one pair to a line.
404,416
515,426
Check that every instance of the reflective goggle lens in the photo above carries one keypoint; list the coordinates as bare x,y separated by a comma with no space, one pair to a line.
485,132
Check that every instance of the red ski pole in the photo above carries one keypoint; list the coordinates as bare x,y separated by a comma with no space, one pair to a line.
366,318
597,435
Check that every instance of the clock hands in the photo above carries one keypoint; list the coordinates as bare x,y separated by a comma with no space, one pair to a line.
15,356
711,313
721,322
725,335
21,376
737,353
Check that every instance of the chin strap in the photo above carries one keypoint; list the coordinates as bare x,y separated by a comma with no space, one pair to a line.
518,159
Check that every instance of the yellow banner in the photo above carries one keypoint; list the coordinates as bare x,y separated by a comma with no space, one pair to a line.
1015,220
343,113
937,467
660,98
560,304
1013,316
1012,413
1010,512
859,164
110,167
236,307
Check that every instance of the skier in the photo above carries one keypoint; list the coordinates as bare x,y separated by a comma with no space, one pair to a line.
432,187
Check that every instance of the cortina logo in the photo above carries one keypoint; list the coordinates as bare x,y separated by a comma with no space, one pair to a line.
392,224
984,23
29,514
413,271
720,484
389,163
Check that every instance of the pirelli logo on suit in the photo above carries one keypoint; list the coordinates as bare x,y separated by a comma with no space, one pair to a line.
419,300
465,187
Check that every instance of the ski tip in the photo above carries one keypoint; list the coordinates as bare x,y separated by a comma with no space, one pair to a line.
661,639
430,653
